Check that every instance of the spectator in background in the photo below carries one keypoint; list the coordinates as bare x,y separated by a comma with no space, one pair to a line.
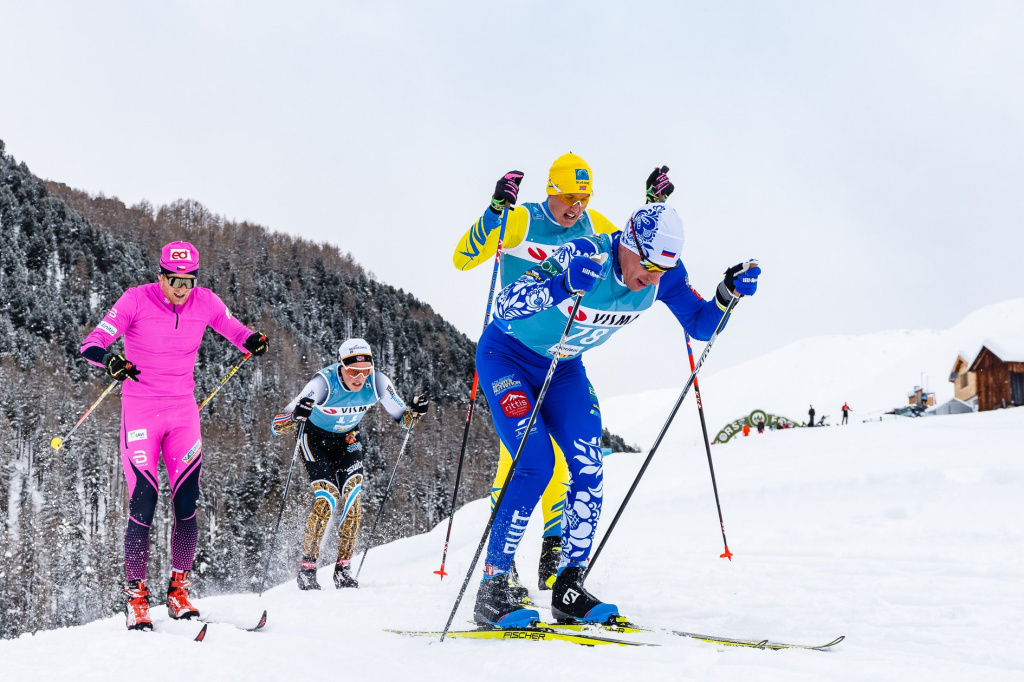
746,428
760,426
810,413
846,412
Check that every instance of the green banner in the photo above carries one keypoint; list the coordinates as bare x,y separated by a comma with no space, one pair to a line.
770,421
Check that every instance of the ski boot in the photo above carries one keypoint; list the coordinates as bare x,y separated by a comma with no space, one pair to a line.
497,604
342,578
136,609
571,603
178,605
307,575
519,590
550,555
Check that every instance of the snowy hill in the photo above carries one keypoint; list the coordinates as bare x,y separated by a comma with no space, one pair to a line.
904,536
873,372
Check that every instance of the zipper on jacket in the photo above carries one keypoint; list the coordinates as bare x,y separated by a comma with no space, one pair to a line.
176,317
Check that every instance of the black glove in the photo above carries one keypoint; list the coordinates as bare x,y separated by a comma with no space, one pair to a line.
119,368
419,404
506,191
257,343
303,410
658,185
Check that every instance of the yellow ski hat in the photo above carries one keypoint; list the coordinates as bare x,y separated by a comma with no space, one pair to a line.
569,174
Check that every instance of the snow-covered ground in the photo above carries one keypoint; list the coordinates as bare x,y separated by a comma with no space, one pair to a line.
905,536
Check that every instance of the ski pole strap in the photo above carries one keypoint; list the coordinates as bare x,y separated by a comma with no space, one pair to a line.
223,381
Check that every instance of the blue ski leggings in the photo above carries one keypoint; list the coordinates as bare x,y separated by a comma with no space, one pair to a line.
511,376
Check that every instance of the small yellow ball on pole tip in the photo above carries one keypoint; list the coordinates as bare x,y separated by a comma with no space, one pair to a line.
56,443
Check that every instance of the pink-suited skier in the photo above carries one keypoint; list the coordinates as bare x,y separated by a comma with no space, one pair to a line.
163,324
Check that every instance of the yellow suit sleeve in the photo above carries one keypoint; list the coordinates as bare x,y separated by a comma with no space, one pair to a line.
478,246
601,224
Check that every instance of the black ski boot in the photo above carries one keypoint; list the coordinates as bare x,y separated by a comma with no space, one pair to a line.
307,575
571,603
342,578
550,555
522,594
496,604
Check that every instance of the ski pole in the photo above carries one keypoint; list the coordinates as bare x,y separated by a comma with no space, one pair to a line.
515,461
707,446
284,499
224,381
57,442
380,512
661,435
472,398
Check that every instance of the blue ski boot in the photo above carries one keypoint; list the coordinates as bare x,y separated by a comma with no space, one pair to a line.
571,603
498,604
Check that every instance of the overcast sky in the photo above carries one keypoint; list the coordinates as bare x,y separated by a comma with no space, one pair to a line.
869,154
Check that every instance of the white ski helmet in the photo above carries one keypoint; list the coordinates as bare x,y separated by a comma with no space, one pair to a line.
354,350
659,229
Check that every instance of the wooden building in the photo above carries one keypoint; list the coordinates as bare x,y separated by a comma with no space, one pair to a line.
921,398
965,385
999,381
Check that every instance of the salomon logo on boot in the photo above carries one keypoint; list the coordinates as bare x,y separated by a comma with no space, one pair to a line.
571,603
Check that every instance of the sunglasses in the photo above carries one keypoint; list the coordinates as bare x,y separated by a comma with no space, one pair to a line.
358,372
645,262
175,282
572,199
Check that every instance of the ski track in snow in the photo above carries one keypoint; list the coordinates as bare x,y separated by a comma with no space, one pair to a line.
905,536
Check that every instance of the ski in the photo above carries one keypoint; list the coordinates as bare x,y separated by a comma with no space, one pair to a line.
529,634
198,638
256,628
622,626
757,644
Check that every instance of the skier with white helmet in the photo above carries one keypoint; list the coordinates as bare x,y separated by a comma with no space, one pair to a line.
332,404
620,277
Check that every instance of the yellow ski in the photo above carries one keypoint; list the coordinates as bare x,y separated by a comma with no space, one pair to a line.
532,634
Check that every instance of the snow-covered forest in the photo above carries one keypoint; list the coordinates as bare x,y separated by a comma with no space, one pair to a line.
65,257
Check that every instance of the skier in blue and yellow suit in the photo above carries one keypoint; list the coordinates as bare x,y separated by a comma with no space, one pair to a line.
618,278
532,231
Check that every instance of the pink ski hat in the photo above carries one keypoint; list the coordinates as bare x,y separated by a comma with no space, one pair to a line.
179,257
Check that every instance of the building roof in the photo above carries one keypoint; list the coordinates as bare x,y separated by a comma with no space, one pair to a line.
1000,351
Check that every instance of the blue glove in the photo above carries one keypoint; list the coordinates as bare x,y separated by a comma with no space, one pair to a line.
741,279
582,275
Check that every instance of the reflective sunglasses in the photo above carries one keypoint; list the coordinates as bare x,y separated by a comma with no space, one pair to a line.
645,262
359,372
572,199
175,282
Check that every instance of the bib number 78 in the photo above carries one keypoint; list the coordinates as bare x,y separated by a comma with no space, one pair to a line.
587,336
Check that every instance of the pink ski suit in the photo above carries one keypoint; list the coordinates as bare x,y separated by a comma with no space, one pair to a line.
159,413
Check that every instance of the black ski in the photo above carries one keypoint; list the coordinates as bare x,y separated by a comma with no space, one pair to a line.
259,625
